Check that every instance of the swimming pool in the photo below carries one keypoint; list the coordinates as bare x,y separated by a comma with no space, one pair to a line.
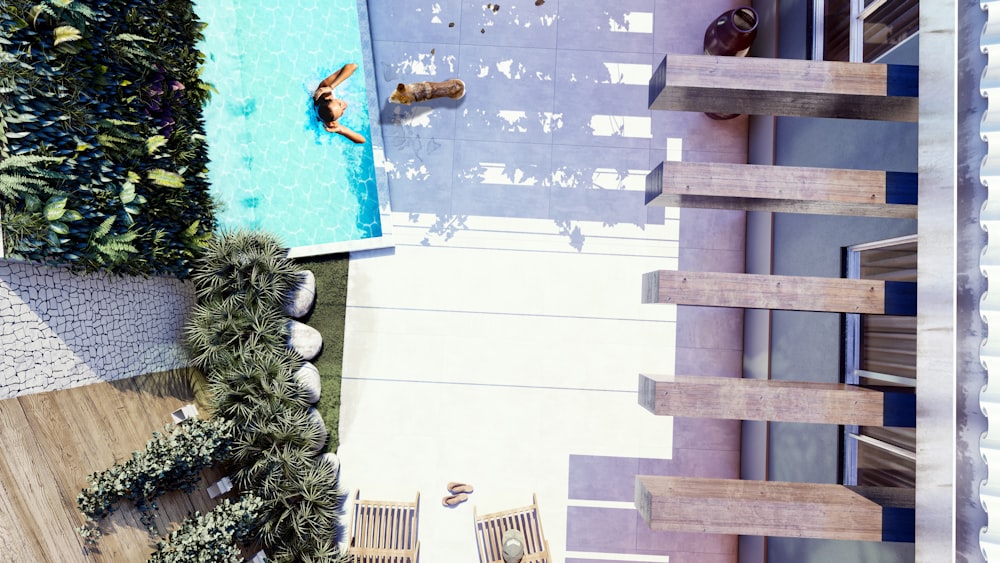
272,166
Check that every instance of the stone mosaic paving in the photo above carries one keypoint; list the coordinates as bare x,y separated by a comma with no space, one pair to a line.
59,329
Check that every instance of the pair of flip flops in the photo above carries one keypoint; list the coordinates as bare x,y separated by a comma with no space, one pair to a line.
459,494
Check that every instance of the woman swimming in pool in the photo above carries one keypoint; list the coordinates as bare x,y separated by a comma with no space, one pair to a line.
329,108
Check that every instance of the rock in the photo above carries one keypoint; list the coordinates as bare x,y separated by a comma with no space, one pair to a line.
308,377
332,461
301,298
318,421
304,340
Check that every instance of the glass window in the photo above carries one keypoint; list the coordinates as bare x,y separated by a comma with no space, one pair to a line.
887,24
837,30
881,350
862,30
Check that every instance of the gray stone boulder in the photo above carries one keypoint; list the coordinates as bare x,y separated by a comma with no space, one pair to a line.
300,299
308,377
317,419
304,340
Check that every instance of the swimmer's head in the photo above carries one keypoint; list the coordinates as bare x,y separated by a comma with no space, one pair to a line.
330,109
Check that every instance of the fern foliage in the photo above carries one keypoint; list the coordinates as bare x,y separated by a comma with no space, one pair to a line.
100,103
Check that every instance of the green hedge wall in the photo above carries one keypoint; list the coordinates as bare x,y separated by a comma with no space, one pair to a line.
102,145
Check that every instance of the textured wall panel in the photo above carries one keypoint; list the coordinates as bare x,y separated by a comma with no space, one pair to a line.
989,219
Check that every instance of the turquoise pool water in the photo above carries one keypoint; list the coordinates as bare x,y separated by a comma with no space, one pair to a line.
272,166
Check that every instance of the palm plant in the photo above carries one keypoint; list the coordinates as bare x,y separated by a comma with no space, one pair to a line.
248,263
330,462
269,422
220,328
320,550
269,472
305,516
320,425
238,335
230,359
308,377
253,375
240,400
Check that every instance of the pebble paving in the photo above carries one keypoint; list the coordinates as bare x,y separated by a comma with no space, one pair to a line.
60,329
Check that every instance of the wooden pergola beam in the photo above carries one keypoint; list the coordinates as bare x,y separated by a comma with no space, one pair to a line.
776,401
772,508
762,86
792,293
783,189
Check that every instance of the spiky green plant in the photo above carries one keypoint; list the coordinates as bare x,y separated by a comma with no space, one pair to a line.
318,551
268,376
241,283
265,363
272,468
219,328
304,517
268,422
252,264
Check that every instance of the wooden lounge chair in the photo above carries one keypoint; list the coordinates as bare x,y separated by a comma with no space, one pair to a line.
384,531
490,529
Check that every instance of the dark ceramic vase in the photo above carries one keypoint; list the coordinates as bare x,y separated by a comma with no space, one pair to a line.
731,35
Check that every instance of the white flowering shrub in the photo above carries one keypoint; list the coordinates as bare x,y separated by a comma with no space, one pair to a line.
173,460
212,537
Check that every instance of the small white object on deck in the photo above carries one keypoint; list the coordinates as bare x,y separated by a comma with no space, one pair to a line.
221,487
187,411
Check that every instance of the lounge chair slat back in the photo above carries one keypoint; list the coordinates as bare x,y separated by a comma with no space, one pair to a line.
490,529
384,531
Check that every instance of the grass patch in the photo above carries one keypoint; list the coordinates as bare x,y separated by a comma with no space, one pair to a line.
328,317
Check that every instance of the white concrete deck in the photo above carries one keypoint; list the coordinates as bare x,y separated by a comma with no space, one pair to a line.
491,356
500,343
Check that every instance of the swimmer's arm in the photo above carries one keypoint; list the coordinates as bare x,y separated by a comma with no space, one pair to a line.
336,78
352,135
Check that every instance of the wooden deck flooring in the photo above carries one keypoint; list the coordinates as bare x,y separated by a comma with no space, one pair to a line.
50,442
